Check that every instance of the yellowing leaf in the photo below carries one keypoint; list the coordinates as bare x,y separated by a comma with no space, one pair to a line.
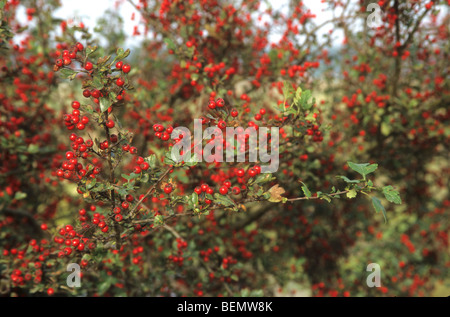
275,193
352,193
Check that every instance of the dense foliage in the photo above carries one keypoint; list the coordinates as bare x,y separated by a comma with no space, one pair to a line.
86,174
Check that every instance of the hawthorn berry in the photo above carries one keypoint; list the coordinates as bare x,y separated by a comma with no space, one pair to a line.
110,124
86,93
168,188
126,68
223,190
120,82
212,104
220,102
75,105
88,66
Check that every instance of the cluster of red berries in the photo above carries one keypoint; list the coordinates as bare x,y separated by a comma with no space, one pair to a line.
74,119
315,133
161,132
71,166
142,165
68,56
181,245
123,67
219,103
226,186
137,258
251,172
99,221
206,254
72,240
260,114
228,261
129,148
204,188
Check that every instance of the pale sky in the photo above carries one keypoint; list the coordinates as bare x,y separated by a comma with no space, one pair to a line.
91,10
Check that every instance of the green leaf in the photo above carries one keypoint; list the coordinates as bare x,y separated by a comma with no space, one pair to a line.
392,195
105,103
306,190
223,200
97,83
67,72
192,161
352,193
194,199
91,183
119,52
363,169
90,50
33,148
127,177
304,100
20,195
347,180
168,158
170,43
379,207
287,89
159,220
151,160
264,178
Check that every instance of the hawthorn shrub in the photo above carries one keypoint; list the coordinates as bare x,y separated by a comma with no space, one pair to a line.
87,174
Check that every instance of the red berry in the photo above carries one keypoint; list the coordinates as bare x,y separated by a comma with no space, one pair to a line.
220,102
126,68
236,190
86,93
222,124
88,66
223,190
212,104
110,124
234,113
75,105
168,189
137,170
50,291
95,93
120,82
119,65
